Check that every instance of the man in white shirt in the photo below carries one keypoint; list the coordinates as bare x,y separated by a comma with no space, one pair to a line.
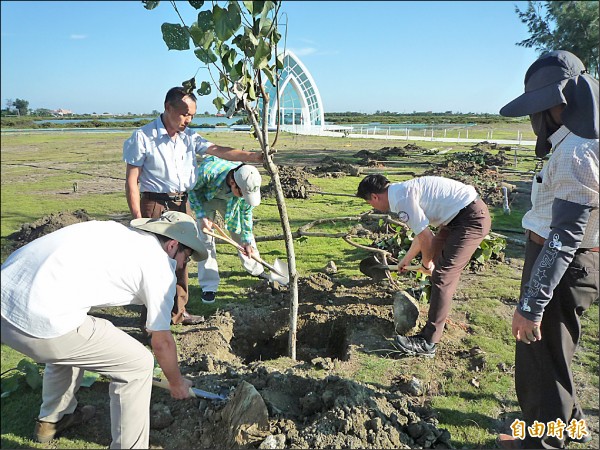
48,288
463,221
161,162
560,273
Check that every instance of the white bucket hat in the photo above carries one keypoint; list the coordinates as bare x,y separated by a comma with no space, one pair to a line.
175,225
249,180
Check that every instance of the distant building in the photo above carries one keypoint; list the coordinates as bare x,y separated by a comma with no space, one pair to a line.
300,104
62,112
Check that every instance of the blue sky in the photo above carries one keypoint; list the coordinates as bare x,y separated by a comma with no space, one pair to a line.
364,56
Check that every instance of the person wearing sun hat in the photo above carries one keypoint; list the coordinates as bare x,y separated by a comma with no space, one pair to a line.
233,190
560,273
48,289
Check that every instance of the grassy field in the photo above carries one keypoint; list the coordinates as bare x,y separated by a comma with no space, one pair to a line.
38,171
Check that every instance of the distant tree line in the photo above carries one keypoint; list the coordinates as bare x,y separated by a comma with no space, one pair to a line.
417,117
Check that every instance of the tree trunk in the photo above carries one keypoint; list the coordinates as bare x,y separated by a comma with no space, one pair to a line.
263,139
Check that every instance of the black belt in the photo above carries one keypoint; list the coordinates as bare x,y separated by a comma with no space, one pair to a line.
162,197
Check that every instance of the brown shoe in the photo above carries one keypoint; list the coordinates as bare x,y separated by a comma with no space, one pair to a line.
507,441
190,319
46,431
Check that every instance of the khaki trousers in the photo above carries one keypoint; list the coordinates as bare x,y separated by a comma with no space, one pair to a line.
208,270
98,346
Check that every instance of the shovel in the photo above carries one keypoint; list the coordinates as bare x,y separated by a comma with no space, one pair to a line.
375,269
194,392
279,270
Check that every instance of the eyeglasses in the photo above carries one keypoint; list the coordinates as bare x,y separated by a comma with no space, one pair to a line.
183,249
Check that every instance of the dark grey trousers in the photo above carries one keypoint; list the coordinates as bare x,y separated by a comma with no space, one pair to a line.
454,245
543,376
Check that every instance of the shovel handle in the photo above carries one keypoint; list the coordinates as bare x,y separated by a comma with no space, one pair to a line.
410,268
240,248
161,383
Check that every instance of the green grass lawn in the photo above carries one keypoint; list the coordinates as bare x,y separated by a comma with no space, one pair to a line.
37,175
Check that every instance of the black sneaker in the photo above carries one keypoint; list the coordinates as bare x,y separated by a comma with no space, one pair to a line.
208,297
415,346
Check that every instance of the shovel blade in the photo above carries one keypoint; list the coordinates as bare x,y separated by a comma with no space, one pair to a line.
283,277
373,268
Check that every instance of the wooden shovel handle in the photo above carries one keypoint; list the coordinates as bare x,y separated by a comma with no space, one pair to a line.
411,268
162,383
227,239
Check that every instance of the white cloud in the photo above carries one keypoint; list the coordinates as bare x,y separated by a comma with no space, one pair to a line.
304,51
78,36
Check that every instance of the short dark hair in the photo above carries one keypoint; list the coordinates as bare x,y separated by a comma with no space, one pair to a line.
372,184
175,95
162,239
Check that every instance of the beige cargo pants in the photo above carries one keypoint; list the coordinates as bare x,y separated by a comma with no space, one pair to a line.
98,346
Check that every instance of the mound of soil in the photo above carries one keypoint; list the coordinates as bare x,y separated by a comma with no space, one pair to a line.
477,168
294,183
333,167
304,405
47,224
369,158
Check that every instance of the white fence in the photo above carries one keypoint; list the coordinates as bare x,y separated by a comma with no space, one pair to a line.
383,132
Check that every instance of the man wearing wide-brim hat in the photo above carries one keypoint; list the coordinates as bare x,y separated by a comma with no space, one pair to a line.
560,273
50,285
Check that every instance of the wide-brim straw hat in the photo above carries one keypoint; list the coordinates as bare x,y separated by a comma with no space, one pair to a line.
175,225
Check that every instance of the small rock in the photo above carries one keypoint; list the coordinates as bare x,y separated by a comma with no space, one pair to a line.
331,268
323,363
276,441
406,312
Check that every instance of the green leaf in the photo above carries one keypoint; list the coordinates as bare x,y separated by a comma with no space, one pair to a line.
175,36
202,38
197,4
236,71
251,92
279,61
265,26
219,103
205,88
9,385
189,85
254,8
223,82
149,5
228,59
32,373
263,52
276,36
205,55
89,378
227,21
268,71
205,21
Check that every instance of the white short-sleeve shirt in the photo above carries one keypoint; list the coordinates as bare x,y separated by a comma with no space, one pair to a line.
425,201
168,165
50,284
570,174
